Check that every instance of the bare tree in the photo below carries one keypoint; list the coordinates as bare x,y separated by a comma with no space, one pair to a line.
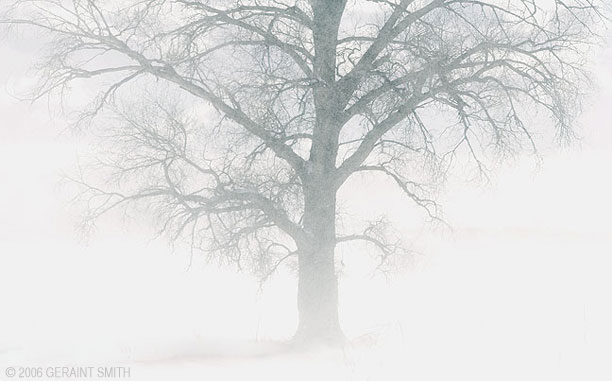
305,94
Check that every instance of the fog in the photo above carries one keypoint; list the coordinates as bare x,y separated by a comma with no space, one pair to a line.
517,288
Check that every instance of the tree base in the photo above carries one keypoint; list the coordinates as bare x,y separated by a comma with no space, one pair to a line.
315,340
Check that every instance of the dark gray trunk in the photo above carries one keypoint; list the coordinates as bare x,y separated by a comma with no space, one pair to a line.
317,283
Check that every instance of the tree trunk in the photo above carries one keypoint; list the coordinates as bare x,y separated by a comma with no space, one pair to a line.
318,299
317,280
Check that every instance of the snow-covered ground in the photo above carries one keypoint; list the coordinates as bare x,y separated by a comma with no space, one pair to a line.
528,305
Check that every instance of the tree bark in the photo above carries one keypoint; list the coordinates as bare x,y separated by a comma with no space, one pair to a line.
317,280
318,300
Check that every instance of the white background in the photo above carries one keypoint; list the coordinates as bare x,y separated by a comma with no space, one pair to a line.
520,289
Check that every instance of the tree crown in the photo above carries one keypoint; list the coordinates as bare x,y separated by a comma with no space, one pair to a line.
304,94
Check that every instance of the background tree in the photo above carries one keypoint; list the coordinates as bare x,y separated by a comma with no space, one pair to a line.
302,95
